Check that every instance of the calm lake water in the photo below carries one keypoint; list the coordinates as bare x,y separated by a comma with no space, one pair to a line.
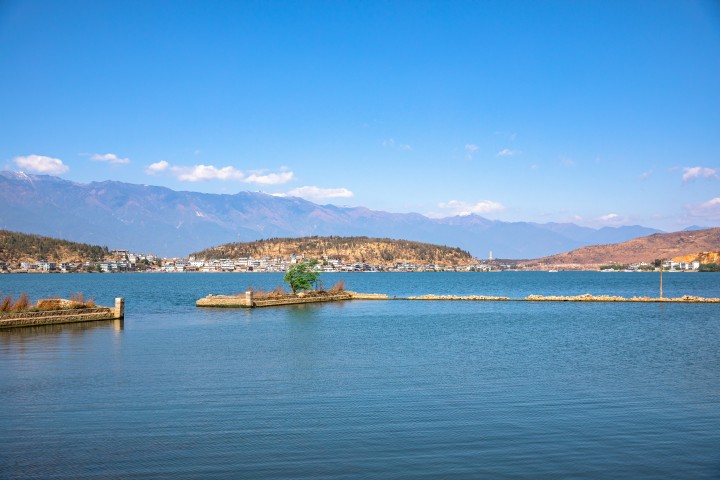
366,389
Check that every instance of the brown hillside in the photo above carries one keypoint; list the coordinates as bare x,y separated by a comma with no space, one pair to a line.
643,249
704,257
377,251
18,247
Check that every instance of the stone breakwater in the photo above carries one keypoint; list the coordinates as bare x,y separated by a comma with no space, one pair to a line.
249,301
612,298
559,298
475,298
52,317
368,296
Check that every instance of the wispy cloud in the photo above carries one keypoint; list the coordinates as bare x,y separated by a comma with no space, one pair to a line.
567,162
610,218
317,193
471,148
457,207
198,173
391,143
691,173
110,158
647,174
709,210
41,164
506,152
512,136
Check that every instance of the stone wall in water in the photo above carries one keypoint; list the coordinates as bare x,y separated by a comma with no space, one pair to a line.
50,317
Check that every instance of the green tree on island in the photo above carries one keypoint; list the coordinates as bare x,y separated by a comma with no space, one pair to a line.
302,276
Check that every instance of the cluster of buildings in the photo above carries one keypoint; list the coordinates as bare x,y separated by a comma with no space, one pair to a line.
124,261
268,264
666,265
121,261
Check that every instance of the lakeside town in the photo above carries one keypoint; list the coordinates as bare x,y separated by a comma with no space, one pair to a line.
125,261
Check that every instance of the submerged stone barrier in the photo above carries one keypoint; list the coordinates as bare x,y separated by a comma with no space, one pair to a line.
612,298
248,300
470,298
68,315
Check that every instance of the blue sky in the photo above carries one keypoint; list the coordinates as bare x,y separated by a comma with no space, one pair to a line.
594,112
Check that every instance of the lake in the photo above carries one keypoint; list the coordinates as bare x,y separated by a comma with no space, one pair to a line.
366,389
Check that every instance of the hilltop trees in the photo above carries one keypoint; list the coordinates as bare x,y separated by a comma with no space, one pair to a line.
15,246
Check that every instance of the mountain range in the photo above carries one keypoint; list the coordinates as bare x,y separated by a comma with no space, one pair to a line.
152,219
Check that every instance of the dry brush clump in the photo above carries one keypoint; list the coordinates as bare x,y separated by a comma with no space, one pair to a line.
10,305
260,293
23,303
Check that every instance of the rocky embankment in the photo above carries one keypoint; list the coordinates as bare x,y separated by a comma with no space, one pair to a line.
477,298
612,298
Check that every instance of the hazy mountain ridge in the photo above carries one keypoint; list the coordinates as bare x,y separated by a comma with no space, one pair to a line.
645,249
166,222
375,251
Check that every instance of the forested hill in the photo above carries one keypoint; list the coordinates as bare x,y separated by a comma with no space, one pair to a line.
22,247
378,251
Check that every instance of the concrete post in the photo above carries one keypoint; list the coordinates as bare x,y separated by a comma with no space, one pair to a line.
249,298
119,308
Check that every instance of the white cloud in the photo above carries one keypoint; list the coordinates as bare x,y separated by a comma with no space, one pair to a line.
691,173
197,173
110,158
157,167
506,152
610,218
709,210
270,178
41,164
456,207
316,193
